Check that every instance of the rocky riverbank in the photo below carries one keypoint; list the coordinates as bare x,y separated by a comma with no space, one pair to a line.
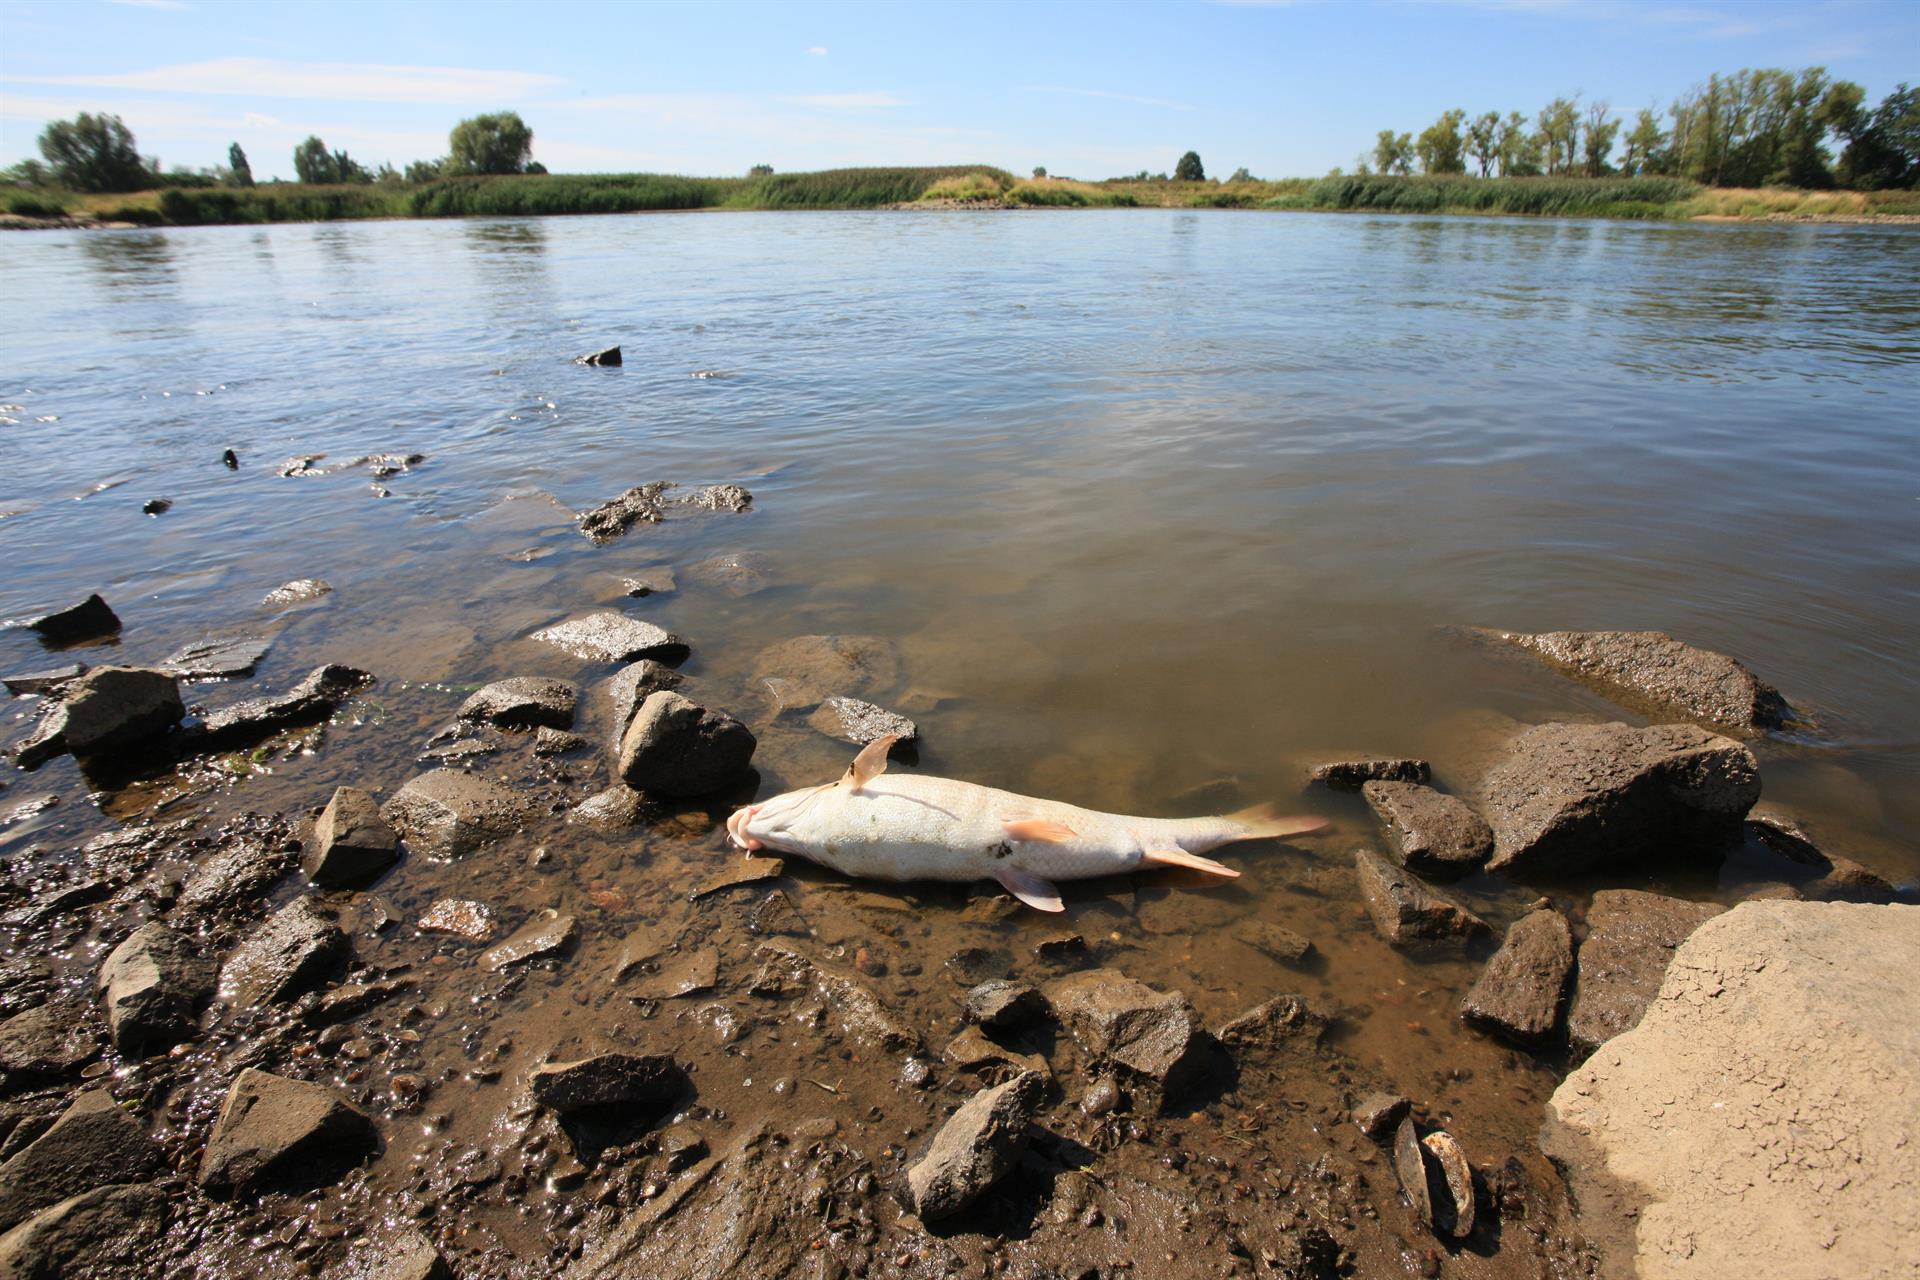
501,1003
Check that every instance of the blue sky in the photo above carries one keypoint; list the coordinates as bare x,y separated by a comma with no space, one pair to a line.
1086,89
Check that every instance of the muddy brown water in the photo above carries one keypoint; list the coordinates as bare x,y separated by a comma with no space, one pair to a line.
1163,507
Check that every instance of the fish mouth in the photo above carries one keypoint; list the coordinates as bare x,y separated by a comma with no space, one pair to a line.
737,828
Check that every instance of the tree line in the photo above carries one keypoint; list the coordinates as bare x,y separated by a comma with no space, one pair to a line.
1751,129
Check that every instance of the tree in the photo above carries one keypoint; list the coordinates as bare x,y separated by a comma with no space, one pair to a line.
1241,175
1440,147
1519,148
1483,140
314,163
1393,152
1884,148
1646,145
1039,171
497,143
1558,133
535,167
94,153
29,173
1190,169
425,170
241,172
760,171
1597,139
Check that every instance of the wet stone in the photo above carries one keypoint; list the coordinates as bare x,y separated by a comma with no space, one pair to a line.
630,686
550,936
1436,834
977,1146
299,591
448,813
459,918
1650,670
1352,775
109,709
737,872
556,742
676,747
155,983
1519,993
684,974
311,701
1004,1005
52,1040
1631,938
88,620
400,1254
108,1231
613,637
717,497
606,357
1404,909
522,702
655,581
1278,943
1378,1114
1114,1018
776,914
852,720
738,573
351,842
239,872
1280,1023
218,658
351,999
785,973
971,1050
814,668
293,951
615,809
280,1134
45,680
93,1143
605,1080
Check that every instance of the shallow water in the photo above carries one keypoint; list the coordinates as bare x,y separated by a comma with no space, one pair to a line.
1162,500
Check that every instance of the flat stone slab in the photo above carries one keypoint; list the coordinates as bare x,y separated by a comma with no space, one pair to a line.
1764,1109
460,918
1436,834
218,658
550,936
736,872
614,637
852,720
1518,995
1631,938
292,952
522,702
1651,671
281,1134
606,1080
1405,909
311,701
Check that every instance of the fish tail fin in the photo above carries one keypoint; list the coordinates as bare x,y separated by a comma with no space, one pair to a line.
1264,822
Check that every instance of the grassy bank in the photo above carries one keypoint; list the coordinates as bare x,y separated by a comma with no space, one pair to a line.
1662,198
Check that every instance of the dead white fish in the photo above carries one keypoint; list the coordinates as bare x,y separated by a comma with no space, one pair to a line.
916,827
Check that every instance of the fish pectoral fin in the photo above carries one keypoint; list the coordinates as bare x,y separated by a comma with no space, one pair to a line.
1038,893
1191,861
1038,830
871,762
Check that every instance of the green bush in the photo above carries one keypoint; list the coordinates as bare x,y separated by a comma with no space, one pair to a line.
27,206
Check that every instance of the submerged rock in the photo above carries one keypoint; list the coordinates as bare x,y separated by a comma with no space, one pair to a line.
88,620
280,1134
1004,1005
522,702
293,951
1352,775
222,658
1650,670
299,591
113,1230
351,842
675,747
1575,797
718,497
613,637
814,668
852,720
551,935
638,505
311,701
447,813
1518,994
93,1143
107,710
1154,1033
607,1080
738,573
1631,938
155,983
615,809
1762,1110
975,1148
1276,942
1436,834
655,581
1404,909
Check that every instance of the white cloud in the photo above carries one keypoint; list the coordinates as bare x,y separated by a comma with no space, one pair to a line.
848,100
818,51
321,81
1116,97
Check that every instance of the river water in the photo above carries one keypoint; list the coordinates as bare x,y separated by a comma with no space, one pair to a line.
1166,506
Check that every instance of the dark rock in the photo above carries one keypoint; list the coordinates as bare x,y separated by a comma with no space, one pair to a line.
1631,938
156,506
675,747
972,1051
1437,834
1518,995
230,460
1116,1019
93,1143
313,700
522,702
736,872
293,951
1061,949
48,1041
111,1231
280,1134
1378,1114
1574,797
1848,881
556,742
813,668
155,983
630,686
401,1254
614,809
1455,1214
551,935
1410,1164
606,1080
785,972
655,581
238,872
1406,910
109,709
638,505
351,842
24,982
45,680
852,720
1651,671
1281,944
976,1147
222,658
970,966
299,591
351,999
458,917
1352,775
1003,1005
613,637
1280,1023
88,620
447,813
608,356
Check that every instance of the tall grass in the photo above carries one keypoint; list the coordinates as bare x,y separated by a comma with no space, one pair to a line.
1578,197
855,188
279,202
970,188
566,193
1063,193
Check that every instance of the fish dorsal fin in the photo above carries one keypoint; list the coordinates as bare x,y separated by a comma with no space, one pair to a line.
871,762
1038,830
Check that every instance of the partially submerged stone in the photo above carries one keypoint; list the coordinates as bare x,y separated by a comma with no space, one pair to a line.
218,658
279,1134
1577,797
550,935
613,637
447,813
676,747
1631,938
155,983
656,580
108,710
737,872
607,1080
460,918
605,356
1281,1023
1404,909
44,680
1436,834
1378,1114
817,667
49,1041
1153,1033
311,701
299,591
88,620
1518,994
684,973
1003,1005
352,843
1650,670
1352,775
290,953
93,1143
976,1147
1275,941
615,809
522,702
852,720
